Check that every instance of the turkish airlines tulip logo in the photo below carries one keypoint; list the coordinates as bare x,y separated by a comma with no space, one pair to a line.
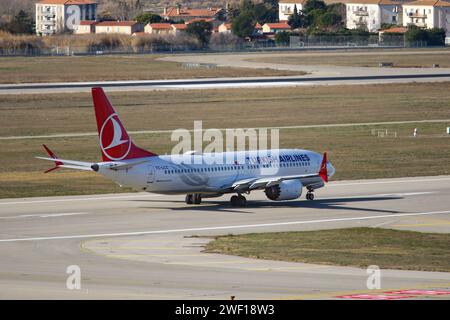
114,140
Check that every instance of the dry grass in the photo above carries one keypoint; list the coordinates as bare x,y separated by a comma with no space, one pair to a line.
162,110
406,60
114,67
359,247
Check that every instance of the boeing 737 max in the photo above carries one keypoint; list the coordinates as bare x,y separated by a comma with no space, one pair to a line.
281,173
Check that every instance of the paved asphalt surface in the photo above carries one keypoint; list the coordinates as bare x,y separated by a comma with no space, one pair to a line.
221,83
317,74
139,245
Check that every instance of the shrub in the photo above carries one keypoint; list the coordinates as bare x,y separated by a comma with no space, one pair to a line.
26,44
151,42
221,40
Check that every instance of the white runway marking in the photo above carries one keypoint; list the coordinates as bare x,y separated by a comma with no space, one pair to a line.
261,225
79,199
44,215
331,125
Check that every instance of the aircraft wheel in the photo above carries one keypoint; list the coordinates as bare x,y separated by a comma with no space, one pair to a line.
197,198
310,196
189,199
234,200
242,201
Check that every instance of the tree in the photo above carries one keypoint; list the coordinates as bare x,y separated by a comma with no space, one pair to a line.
246,6
312,18
329,19
201,30
271,14
282,38
263,11
436,37
311,5
146,18
296,19
415,34
21,23
243,25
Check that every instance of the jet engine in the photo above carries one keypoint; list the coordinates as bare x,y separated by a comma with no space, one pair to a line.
286,190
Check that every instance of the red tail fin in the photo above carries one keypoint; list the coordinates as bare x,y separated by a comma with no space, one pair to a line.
115,143
323,172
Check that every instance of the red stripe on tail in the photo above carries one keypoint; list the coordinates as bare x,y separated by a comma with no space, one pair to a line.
115,143
323,172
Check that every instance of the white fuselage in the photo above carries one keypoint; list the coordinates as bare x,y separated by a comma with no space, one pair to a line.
209,173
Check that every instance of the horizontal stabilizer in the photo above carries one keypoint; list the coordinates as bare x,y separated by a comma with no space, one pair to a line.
62,163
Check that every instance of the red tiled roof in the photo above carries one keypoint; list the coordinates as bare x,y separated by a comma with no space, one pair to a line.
180,26
160,25
258,26
116,23
186,12
67,2
87,22
278,25
390,2
200,19
434,3
395,30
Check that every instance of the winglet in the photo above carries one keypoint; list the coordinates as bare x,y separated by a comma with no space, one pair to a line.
52,155
323,173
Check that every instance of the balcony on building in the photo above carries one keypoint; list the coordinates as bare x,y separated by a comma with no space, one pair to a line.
416,15
360,12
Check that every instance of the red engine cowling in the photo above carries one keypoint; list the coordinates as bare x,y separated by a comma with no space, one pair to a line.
286,190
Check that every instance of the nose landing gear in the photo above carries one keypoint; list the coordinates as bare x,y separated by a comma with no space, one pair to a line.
310,194
238,201
195,198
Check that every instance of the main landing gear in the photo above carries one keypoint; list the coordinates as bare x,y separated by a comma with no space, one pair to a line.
238,201
310,194
195,198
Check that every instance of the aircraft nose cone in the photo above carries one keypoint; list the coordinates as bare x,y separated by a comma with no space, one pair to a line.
330,169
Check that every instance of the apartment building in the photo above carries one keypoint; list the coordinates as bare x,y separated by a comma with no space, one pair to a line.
54,16
428,14
371,14
286,7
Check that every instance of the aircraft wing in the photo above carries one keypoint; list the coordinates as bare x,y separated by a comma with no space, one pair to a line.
316,179
262,183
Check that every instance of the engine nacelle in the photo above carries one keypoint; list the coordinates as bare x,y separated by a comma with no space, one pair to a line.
286,190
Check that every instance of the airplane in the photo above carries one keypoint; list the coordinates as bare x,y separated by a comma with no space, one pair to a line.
282,174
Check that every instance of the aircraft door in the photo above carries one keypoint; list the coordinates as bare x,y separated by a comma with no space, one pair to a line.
150,174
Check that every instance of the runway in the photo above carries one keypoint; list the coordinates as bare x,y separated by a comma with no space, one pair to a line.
222,83
140,245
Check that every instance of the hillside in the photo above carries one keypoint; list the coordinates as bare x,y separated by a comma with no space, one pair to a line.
8,7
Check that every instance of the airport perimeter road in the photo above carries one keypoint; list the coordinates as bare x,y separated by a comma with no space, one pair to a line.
138,245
